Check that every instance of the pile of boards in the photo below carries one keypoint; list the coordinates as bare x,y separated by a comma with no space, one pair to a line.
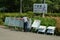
14,22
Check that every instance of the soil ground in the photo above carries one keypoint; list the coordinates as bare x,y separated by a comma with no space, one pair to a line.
7,34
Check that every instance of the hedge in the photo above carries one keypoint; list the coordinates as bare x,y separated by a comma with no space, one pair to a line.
47,21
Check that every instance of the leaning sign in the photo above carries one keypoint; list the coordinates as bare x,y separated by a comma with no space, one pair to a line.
12,21
40,8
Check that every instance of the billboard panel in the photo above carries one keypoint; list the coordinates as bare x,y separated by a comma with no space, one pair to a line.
40,8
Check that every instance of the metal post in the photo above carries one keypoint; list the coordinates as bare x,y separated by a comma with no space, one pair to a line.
20,6
43,12
44,1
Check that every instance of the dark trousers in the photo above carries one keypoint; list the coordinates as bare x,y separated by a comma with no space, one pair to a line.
25,26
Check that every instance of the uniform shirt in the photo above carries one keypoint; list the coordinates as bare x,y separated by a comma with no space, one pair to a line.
25,19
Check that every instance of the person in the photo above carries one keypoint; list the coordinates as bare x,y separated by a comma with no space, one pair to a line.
25,23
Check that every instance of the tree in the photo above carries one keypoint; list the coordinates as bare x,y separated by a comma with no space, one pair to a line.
27,5
14,5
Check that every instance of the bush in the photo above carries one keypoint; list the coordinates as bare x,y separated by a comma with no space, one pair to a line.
30,14
46,21
1,22
53,14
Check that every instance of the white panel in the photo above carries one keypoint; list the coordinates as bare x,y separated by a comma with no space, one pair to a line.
36,23
40,8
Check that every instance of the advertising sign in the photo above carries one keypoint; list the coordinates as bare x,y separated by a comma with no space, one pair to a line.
36,24
40,8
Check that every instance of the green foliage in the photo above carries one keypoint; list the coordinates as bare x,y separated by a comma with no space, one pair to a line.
30,14
46,21
1,21
53,14
27,5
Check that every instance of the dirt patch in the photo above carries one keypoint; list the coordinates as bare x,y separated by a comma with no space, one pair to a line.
57,22
1,26
6,34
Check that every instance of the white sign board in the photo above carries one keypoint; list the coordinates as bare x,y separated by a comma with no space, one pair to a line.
51,29
40,8
29,23
36,24
12,21
42,29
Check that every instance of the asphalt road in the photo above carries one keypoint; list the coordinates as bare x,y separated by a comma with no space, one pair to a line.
6,34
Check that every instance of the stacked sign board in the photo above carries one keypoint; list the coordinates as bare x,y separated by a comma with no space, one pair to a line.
12,21
40,8
51,29
42,29
7,20
36,24
29,23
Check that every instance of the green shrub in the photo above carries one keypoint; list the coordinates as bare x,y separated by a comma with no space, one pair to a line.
30,14
46,21
53,14
1,22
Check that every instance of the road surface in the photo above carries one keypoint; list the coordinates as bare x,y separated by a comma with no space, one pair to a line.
6,34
